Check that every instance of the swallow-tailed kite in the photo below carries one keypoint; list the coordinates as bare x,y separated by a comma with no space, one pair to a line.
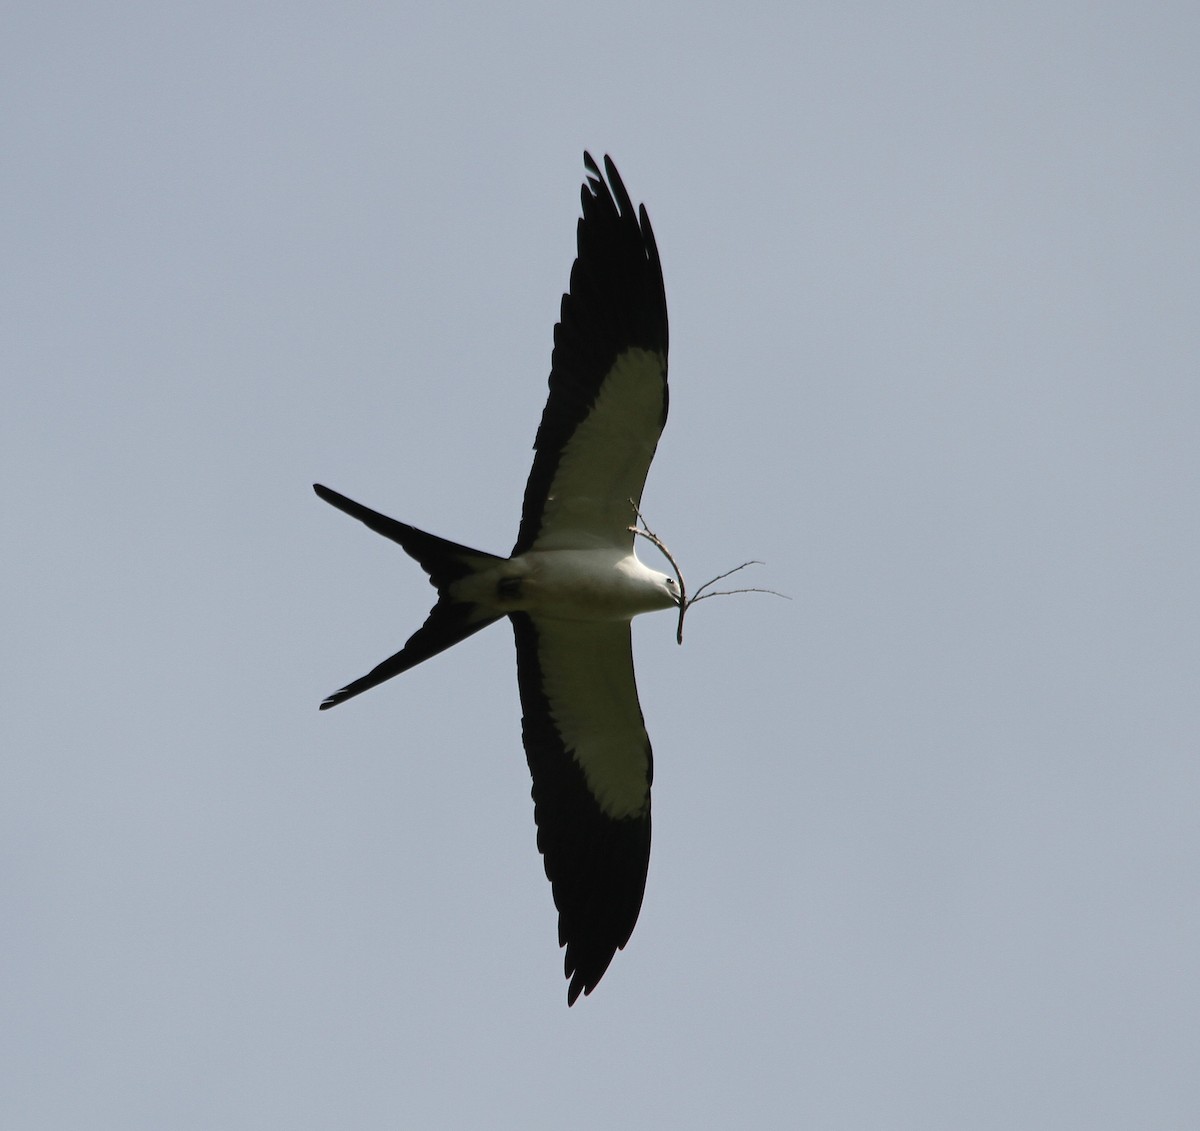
573,582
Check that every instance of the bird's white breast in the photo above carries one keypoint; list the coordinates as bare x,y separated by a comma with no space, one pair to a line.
597,585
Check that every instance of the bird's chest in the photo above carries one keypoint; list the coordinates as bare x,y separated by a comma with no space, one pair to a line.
578,585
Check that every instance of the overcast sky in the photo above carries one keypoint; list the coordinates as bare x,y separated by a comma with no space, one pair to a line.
927,837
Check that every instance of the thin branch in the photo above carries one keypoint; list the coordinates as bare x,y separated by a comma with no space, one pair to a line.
722,576
686,602
731,592
644,530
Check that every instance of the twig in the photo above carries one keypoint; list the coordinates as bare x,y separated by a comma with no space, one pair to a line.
686,602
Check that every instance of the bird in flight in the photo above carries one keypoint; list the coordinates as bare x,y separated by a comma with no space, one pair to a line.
573,583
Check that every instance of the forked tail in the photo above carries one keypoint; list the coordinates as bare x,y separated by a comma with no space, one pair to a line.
449,621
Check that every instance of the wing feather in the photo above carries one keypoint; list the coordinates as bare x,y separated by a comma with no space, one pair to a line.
608,379
592,766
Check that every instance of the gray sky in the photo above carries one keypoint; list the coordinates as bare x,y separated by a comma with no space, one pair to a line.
927,844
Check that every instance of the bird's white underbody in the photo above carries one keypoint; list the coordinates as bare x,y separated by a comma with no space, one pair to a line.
589,585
